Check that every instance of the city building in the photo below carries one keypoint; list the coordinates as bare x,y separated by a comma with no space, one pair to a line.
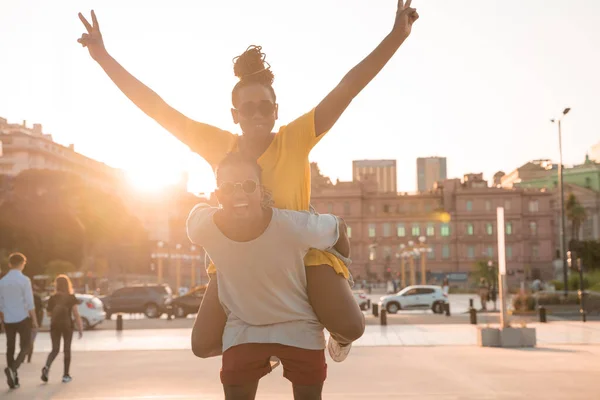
381,171
429,171
23,148
457,218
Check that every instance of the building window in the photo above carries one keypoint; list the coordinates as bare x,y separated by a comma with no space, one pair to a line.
387,252
347,210
470,252
446,251
507,204
372,230
348,231
535,251
372,253
469,205
533,228
588,182
372,209
470,229
489,228
431,254
490,252
430,230
534,206
509,254
330,208
488,205
387,229
400,230
386,208
445,230
509,228
416,230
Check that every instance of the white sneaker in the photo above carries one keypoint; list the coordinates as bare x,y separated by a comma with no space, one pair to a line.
275,362
338,353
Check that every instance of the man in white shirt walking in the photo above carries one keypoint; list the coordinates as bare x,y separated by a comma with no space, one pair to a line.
17,312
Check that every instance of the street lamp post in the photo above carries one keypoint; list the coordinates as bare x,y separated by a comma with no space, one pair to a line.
563,236
159,257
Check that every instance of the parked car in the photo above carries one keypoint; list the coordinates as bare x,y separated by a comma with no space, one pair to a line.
189,303
151,300
91,310
361,298
423,297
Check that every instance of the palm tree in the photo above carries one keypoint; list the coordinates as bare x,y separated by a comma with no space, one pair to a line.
576,215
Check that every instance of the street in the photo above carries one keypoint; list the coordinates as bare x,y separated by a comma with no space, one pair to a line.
417,373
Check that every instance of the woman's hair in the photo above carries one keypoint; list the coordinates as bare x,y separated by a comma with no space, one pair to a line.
237,159
62,284
251,68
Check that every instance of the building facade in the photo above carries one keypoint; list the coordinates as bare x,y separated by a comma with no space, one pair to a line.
429,171
457,219
383,172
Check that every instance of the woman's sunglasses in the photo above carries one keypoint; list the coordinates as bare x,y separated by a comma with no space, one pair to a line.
250,108
229,188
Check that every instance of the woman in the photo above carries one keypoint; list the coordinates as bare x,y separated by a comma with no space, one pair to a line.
283,156
62,309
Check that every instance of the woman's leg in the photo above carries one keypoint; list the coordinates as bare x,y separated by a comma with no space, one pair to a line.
307,392
333,302
55,335
241,392
207,334
68,338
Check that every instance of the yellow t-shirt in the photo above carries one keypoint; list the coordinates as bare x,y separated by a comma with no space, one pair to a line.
286,170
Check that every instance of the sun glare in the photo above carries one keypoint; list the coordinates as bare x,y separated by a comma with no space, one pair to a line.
151,181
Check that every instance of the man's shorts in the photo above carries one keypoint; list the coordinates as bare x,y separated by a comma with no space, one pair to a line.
247,363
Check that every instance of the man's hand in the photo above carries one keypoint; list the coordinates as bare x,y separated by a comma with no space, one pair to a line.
405,18
93,38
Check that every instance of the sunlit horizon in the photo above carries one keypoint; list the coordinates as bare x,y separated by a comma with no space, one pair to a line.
476,82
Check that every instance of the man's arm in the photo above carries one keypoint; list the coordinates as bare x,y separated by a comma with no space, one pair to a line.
29,303
335,103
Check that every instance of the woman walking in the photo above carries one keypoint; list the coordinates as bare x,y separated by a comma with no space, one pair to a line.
62,309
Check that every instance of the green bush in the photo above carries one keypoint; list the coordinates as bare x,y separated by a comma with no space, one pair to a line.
524,302
550,299
574,282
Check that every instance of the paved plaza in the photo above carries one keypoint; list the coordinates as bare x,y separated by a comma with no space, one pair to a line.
373,373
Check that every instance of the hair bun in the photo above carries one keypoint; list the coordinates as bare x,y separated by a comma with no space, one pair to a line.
251,66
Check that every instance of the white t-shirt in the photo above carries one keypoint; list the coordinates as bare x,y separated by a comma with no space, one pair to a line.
262,283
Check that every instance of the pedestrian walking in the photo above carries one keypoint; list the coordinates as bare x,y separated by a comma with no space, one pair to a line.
17,311
62,310
39,313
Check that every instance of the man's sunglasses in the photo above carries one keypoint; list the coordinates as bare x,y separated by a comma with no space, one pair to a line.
229,188
264,107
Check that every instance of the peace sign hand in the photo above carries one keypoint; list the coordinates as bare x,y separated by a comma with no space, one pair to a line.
93,38
405,18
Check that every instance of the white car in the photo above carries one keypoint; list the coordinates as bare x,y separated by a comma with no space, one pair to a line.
91,310
417,297
362,300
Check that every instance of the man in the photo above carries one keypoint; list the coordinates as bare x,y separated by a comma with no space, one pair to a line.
261,282
17,311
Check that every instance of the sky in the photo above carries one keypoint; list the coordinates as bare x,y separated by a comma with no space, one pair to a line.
477,81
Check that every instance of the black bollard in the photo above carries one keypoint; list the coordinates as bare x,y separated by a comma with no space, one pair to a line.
470,303
473,315
375,309
542,310
119,322
447,309
383,317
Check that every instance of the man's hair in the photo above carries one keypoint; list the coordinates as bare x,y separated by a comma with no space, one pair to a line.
15,260
236,159
251,68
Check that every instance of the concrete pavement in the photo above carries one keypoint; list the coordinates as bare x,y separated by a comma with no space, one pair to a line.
411,373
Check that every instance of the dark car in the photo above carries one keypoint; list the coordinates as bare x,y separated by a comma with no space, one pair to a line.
189,303
151,300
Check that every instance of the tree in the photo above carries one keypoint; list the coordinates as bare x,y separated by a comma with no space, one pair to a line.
481,269
576,214
57,267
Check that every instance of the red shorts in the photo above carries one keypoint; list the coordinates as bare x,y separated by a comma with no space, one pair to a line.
249,362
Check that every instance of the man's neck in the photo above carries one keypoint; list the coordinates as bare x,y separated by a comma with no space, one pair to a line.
243,229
